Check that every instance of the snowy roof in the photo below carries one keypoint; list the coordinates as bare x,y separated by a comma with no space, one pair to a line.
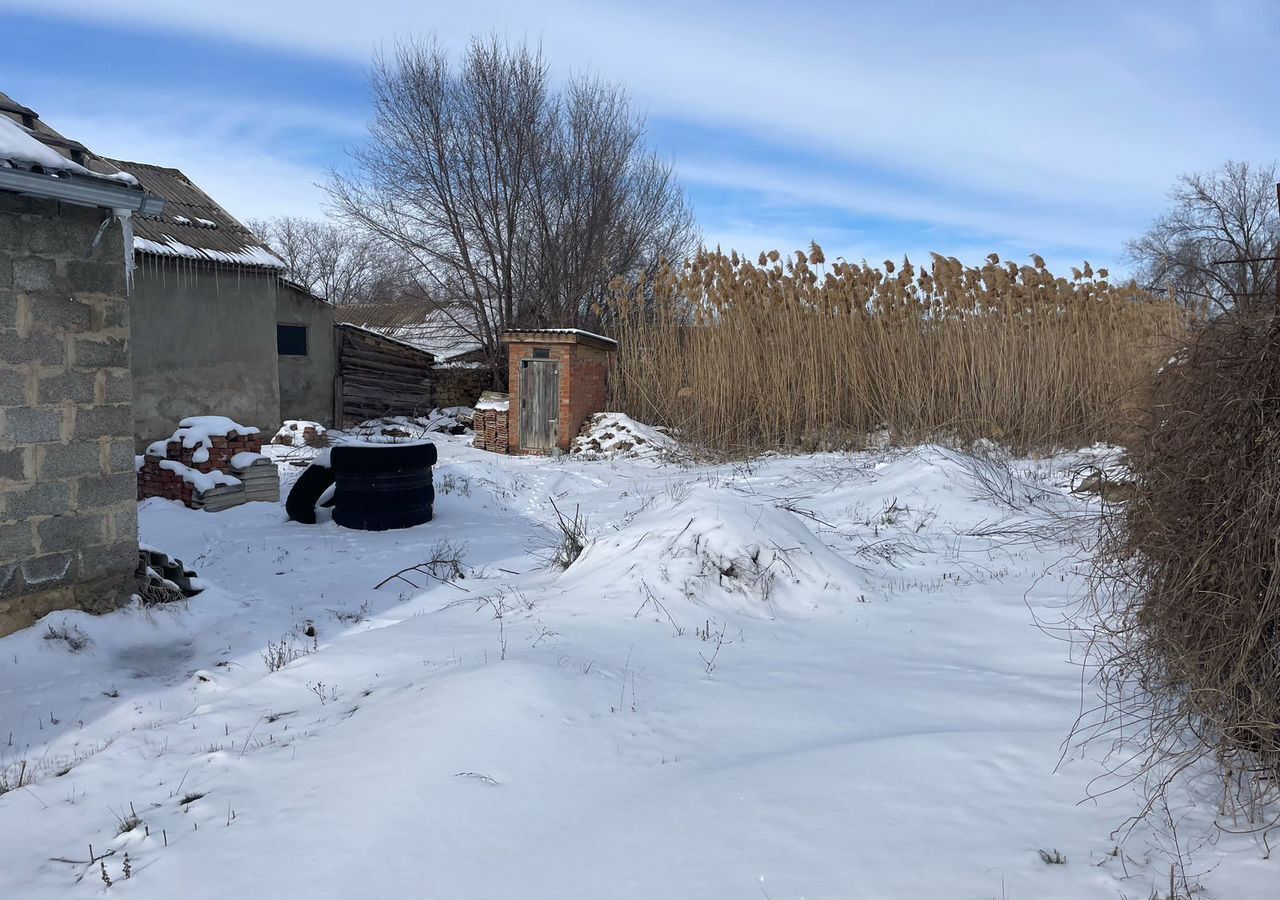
193,225
446,331
577,334
381,335
20,150
28,143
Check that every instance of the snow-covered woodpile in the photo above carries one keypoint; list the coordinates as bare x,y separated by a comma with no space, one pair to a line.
210,463
491,422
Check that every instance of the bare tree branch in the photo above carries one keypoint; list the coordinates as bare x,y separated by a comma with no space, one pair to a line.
1227,214
516,203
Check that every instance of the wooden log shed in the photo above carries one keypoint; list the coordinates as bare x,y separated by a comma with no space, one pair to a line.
377,375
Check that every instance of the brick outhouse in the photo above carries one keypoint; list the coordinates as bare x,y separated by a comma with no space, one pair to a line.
557,379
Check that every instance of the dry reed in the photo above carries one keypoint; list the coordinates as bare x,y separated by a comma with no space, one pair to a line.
797,353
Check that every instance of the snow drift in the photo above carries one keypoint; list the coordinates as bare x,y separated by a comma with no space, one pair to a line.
717,552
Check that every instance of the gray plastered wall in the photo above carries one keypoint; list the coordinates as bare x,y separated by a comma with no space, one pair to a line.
204,343
306,382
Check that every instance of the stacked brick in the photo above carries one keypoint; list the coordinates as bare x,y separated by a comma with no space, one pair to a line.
491,430
154,481
158,480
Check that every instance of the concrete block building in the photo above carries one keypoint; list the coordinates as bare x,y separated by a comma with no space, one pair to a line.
68,518
216,329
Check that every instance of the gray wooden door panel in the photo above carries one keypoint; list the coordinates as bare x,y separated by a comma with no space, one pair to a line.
539,404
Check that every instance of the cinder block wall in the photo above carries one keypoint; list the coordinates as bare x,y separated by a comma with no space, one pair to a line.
68,515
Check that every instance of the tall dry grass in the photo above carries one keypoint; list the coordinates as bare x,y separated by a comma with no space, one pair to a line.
799,353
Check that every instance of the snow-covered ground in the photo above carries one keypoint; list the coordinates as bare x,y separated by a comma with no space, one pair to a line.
807,677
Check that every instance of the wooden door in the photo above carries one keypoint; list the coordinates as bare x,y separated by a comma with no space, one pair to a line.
539,404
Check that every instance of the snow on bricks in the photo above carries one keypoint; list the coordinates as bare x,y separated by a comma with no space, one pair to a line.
208,440
209,462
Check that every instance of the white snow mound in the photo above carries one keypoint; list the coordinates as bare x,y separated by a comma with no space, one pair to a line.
726,554
615,434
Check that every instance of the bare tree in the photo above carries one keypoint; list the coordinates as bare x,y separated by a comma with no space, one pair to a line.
337,262
1227,214
516,202
603,206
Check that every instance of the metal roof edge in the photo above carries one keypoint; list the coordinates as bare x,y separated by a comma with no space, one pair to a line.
81,190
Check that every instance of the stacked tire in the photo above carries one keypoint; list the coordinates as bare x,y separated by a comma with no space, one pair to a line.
376,486
383,486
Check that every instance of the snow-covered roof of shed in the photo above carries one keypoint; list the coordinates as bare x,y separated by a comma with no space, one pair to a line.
446,331
520,334
193,225
382,335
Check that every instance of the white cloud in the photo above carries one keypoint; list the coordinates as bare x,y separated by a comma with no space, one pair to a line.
868,197
237,153
1043,123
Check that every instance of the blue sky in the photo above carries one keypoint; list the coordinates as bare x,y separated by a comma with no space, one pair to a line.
876,129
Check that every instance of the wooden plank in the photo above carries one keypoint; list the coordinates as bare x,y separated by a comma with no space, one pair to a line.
539,404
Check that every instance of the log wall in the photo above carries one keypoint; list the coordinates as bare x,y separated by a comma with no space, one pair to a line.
378,376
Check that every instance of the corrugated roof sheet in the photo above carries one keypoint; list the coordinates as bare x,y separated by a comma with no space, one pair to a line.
446,331
30,120
193,224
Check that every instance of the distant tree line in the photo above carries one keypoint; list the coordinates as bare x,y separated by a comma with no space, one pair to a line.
341,263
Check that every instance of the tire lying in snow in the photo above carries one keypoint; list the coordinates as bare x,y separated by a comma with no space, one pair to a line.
383,486
301,503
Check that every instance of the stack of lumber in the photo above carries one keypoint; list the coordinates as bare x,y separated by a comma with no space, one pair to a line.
492,422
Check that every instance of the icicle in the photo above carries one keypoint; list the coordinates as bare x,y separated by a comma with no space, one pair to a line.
126,229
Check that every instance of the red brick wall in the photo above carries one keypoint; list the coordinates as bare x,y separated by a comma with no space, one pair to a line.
586,389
